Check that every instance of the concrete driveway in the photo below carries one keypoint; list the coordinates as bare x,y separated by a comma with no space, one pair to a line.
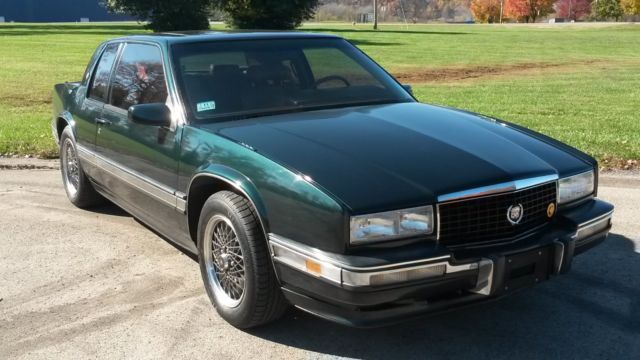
98,284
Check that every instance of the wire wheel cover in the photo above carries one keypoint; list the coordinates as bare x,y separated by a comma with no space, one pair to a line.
70,167
224,261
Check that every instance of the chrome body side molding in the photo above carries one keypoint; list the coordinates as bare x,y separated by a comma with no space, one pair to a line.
181,202
160,192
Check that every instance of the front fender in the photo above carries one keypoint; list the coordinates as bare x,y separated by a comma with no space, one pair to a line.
289,204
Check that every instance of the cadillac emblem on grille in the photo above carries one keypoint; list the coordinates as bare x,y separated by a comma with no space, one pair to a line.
515,213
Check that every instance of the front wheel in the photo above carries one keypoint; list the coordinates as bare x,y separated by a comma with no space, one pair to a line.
235,264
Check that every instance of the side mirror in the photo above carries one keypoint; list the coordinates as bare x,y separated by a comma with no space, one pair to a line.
408,88
155,114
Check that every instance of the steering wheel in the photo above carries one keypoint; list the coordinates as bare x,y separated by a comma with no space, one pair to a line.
332,78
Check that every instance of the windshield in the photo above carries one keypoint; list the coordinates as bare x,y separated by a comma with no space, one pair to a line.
247,78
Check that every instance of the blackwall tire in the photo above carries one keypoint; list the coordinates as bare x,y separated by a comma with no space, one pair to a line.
235,263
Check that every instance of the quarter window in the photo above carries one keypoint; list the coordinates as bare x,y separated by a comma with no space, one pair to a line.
139,77
100,84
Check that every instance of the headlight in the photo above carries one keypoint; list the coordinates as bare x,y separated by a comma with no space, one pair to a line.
575,187
391,225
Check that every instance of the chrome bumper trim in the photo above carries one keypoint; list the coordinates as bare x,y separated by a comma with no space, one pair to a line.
596,220
327,257
297,256
559,256
585,227
485,277
329,272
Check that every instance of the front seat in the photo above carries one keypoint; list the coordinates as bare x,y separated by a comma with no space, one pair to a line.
229,84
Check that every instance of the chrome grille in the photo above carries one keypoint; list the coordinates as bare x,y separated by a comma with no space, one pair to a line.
484,219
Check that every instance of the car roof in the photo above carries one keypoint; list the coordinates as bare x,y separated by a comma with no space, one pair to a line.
204,36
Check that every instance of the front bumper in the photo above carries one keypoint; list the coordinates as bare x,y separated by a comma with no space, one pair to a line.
387,286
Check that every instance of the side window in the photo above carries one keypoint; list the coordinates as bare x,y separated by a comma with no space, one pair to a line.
100,83
139,77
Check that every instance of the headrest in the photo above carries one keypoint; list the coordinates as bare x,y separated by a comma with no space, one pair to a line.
261,73
226,70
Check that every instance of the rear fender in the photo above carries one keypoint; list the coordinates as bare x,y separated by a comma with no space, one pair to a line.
62,117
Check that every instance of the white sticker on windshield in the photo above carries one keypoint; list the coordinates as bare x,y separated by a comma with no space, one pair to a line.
207,105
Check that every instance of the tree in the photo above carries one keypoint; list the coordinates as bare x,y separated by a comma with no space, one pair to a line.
165,15
267,14
486,10
573,9
528,10
608,9
630,7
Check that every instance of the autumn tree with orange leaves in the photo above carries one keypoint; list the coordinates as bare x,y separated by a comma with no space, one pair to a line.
630,7
528,10
486,11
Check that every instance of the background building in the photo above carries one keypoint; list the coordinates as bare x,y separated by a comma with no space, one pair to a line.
56,11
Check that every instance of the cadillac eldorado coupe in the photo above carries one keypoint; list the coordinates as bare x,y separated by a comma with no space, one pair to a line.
299,172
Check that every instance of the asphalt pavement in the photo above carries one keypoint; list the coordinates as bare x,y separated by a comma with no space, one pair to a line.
78,284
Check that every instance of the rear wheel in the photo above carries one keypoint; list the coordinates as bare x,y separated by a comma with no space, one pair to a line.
235,263
76,184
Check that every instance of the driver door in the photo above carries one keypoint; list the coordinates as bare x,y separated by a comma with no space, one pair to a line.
140,160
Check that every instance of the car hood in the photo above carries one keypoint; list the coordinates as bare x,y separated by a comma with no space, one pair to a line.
375,158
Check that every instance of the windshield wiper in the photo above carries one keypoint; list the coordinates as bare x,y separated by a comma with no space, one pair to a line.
368,102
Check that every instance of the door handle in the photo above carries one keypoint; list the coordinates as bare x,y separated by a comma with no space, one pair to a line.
102,121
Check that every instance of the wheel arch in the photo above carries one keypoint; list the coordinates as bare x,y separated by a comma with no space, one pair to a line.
63,120
215,178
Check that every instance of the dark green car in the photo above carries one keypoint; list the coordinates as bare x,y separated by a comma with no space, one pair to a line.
300,172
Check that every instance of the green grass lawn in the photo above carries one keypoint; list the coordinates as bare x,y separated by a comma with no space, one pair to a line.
580,84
